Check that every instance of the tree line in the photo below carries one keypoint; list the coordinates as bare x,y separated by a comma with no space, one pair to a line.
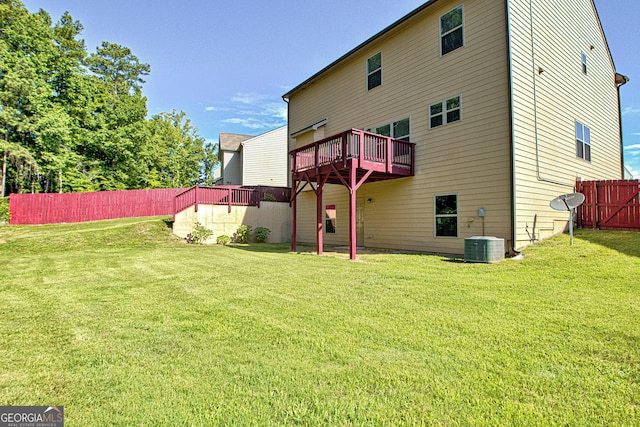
73,121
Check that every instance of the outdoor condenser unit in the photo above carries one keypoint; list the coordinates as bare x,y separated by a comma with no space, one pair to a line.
483,249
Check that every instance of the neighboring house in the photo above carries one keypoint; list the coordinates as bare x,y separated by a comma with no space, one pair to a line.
230,156
484,110
254,160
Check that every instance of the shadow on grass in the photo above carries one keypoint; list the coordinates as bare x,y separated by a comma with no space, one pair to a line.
280,248
339,251
626,242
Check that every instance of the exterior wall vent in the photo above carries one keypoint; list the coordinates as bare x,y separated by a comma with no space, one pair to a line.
483,249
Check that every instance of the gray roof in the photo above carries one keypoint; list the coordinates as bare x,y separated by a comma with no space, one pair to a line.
232,141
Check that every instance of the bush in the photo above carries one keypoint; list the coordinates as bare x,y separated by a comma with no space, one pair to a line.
268,197
261,234
223,240
199,235
4,209
243,234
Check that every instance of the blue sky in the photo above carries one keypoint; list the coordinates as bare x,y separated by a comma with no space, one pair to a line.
227,63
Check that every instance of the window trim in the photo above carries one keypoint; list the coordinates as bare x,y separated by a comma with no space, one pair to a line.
370,73
441,35
444,112
391,128
436,216
584,142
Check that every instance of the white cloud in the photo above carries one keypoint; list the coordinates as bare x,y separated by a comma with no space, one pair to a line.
249,98
255,111
630,110
633,171
214,109
254,124
632,147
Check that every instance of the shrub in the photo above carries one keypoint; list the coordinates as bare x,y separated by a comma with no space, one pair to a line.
223,240
4,209
261,234
243,234
199,235
268,197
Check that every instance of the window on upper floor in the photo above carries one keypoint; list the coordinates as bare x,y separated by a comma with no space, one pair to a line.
584,63
398,130
330,219
374,71
446,217
444,112
583,142
451,30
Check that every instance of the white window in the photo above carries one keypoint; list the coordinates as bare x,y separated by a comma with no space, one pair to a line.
374,71
397,130
451,31
583,142
444,112
446,218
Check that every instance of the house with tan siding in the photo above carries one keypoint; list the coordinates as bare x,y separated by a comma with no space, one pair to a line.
254,160
463,118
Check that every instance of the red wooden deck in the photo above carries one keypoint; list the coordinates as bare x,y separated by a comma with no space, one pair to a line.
350,158
230,195
381,156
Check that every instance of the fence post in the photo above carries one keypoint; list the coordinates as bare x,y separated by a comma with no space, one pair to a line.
229,200
195,202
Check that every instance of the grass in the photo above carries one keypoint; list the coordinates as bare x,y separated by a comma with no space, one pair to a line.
125,325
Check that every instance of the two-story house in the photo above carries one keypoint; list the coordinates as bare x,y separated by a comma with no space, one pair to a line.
463,118
254,160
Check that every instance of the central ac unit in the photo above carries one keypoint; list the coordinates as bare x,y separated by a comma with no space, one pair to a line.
483,249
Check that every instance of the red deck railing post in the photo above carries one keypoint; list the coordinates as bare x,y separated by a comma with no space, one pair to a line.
389,143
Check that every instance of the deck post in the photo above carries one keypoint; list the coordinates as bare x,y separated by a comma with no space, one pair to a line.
352,212
319,242
294,187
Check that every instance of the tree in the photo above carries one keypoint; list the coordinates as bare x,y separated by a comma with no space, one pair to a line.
175,155
76,122
119,67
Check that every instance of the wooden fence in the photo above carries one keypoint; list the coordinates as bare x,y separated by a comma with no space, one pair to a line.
52,208
610,205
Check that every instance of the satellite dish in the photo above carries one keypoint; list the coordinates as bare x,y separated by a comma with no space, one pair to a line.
566,202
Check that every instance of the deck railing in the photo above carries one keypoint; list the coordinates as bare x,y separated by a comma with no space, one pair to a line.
230,196
354,144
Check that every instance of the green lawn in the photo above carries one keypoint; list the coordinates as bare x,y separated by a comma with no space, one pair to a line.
125,325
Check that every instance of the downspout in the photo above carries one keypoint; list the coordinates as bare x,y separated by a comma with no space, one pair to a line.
621,80
294,195
512,167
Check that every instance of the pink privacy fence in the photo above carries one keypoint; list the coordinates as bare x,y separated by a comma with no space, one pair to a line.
51,208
